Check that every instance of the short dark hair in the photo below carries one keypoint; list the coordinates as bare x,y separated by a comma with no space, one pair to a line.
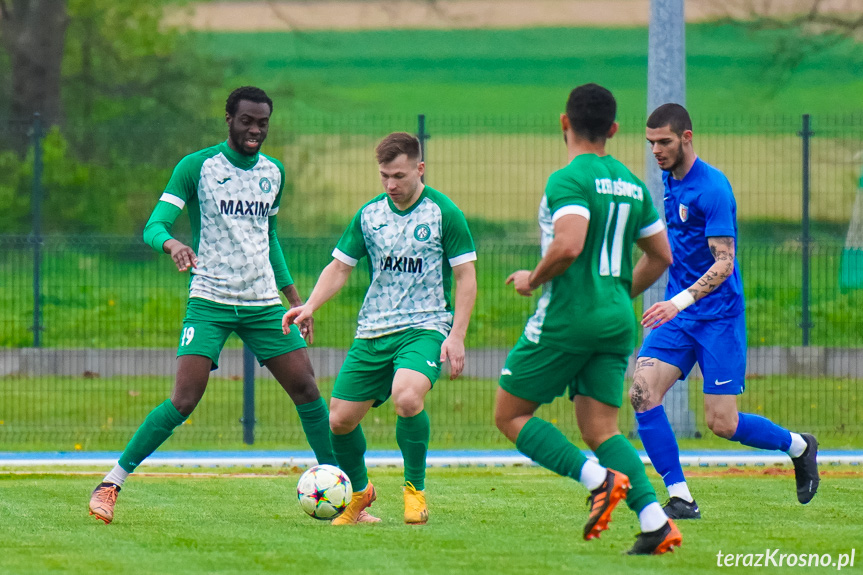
250,93
395,145
591,110
672,115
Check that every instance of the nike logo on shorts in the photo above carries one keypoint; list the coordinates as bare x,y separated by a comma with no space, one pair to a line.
505,371
717,382
431,363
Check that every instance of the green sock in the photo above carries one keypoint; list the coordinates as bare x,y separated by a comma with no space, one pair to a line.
617,453
316,425
350,449
545,444
157,427
412,435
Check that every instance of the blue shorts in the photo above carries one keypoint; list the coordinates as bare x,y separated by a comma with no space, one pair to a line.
718,345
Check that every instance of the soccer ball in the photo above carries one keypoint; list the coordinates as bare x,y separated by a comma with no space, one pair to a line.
324,491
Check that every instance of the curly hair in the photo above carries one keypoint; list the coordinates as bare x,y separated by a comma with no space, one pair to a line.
249,93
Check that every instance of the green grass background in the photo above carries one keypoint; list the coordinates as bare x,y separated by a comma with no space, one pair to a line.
91,414
513,520
730,70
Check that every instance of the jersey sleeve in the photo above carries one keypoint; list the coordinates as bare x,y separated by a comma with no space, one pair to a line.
277,258
352,245
458,244
274,209
182,187
718,206
651,223
158,228
565,197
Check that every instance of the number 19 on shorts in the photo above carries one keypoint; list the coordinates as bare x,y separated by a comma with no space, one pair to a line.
187,336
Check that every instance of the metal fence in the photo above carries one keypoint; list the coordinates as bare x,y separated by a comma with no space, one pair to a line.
89,319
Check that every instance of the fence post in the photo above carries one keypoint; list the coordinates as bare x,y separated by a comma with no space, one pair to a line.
805,239
36,231
422,136
248,419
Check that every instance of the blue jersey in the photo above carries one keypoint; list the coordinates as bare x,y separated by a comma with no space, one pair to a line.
700,206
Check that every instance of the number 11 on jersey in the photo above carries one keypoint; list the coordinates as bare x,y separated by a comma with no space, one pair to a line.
610,265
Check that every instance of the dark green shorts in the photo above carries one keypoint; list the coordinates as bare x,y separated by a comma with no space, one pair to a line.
208,324
538,373
371,363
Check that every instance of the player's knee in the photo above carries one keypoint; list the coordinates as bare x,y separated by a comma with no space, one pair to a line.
340,425
639,396
185,405
305,390
408,404
723,426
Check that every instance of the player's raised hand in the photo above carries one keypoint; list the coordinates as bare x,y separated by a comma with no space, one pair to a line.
521,282
453,349
296,315
184,256
659,313
307,330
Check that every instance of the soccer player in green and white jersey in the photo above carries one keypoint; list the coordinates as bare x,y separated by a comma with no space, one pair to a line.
580,338
416,240
233,193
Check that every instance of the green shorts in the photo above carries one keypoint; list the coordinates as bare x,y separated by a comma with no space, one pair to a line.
538,373
208,324
371,364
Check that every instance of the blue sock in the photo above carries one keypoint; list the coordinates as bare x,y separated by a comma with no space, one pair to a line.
660,444
756,431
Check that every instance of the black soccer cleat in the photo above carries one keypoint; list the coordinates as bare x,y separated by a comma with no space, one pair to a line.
663,540
806,470
678,508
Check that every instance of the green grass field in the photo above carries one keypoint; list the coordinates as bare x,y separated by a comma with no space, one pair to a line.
492,520
93,414
490,72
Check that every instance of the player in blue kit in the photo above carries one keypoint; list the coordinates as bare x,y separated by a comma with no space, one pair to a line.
701,320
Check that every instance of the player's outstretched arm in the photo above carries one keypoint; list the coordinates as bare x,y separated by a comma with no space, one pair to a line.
465,297
331,280
570,231
653,262
722,248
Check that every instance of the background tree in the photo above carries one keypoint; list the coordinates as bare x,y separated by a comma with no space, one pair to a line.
32,34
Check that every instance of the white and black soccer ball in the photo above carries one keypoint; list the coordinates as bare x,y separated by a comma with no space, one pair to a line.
324,491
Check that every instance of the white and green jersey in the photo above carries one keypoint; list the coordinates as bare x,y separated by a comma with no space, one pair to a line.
411,254
230,198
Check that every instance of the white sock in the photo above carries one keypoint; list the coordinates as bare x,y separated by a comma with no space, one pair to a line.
592,475
798,445
680,490
116,476
652,518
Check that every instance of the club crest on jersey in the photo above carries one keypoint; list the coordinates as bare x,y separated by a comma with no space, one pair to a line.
684,213
265,185
422,232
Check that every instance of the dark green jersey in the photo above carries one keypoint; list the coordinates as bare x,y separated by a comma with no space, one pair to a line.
588,306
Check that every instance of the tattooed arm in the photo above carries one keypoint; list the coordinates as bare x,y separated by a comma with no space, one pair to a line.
722,248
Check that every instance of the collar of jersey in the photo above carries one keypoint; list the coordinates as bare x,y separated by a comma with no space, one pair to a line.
237,159
399,212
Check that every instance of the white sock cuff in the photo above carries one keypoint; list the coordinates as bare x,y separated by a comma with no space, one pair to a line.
117,476
652,518
680,490
592,475
798,445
